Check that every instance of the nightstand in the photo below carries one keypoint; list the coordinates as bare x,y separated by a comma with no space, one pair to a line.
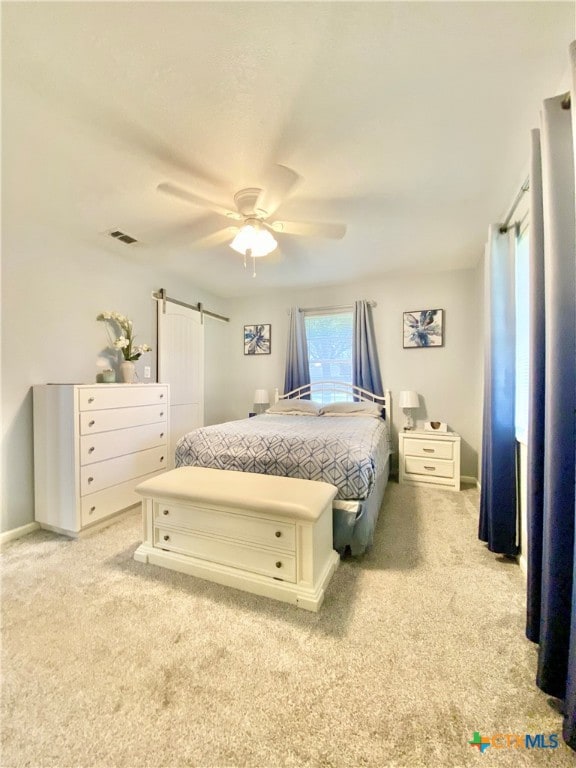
429,458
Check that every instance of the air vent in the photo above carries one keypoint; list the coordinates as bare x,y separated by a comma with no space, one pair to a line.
123,236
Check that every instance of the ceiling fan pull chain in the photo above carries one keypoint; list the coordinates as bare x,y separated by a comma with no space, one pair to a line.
245,259
254,266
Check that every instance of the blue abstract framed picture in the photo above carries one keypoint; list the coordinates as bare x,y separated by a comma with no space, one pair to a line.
424,328
257,339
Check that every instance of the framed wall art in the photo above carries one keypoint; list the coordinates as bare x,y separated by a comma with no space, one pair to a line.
424,328
257,339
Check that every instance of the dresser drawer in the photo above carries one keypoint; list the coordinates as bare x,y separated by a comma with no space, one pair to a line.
252,530
434,448
104,421
106,396
97,506
414,465
106,445
94,477
275,564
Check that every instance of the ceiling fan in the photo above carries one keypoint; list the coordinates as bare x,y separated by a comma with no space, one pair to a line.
252,233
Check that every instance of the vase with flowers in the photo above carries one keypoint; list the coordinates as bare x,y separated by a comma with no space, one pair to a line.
124,342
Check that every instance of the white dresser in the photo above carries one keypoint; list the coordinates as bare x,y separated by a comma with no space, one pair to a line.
92,445
429,458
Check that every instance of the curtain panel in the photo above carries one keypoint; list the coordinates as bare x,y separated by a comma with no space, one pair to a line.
497,525
536,390
569,730
551,603
297,372
559,401
365,366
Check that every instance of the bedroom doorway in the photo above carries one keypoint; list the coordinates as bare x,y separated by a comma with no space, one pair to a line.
181,364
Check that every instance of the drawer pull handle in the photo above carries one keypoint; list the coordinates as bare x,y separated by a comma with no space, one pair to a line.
161,396
161,458
91,423
166,537
429,450
90,479
92,509
278,564
278,534
161,434
166,512
161,413
91,449
90,399
431,469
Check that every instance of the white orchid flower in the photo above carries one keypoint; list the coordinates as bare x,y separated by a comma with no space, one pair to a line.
124,342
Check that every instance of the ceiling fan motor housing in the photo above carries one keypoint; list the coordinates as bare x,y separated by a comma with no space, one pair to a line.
246,200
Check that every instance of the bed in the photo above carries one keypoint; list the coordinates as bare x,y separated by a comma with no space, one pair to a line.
345,442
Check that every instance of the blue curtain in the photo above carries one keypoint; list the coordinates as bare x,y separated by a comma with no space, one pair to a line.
365,367
560,401
297,367
536,390
569,730
498,490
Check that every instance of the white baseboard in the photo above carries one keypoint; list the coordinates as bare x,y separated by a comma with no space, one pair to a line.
17,533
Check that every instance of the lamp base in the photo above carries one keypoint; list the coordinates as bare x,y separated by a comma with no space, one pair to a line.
408,423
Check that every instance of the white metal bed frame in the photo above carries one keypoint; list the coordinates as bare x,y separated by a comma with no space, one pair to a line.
333,388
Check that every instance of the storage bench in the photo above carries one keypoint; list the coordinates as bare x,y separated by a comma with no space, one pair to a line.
260,533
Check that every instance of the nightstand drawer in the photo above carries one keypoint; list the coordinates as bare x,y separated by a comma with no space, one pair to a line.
275,564
434,448
434,467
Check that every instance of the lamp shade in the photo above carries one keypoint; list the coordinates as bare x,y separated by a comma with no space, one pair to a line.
409,399
261,397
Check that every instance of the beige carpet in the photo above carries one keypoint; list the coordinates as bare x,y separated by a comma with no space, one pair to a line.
108,662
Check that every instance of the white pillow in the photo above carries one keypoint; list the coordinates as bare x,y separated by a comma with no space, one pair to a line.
352,409
295,407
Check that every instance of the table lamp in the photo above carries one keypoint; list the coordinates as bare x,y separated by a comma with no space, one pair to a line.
409,400
261,400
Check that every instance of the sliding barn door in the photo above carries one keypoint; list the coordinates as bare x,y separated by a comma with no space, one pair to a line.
181,364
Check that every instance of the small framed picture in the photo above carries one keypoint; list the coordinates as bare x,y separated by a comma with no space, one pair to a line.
257,339
424,328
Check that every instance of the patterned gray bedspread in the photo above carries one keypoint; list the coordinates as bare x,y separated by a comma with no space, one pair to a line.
348,452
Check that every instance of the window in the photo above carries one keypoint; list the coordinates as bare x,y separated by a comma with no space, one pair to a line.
522,335
329,337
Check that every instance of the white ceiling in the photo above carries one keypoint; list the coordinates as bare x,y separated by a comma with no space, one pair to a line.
409,122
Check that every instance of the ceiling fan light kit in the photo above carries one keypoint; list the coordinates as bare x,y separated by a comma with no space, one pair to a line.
253,240
254,207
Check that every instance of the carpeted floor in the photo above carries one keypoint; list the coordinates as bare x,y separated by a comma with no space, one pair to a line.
110,663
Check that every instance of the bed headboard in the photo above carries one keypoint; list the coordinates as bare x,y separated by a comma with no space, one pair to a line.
339,391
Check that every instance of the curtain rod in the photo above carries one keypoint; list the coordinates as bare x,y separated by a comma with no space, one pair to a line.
566,104
162,296
337,308
523,189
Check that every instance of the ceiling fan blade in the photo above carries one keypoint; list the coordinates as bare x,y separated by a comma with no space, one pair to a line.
280,185
216,238
310,228
189,197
